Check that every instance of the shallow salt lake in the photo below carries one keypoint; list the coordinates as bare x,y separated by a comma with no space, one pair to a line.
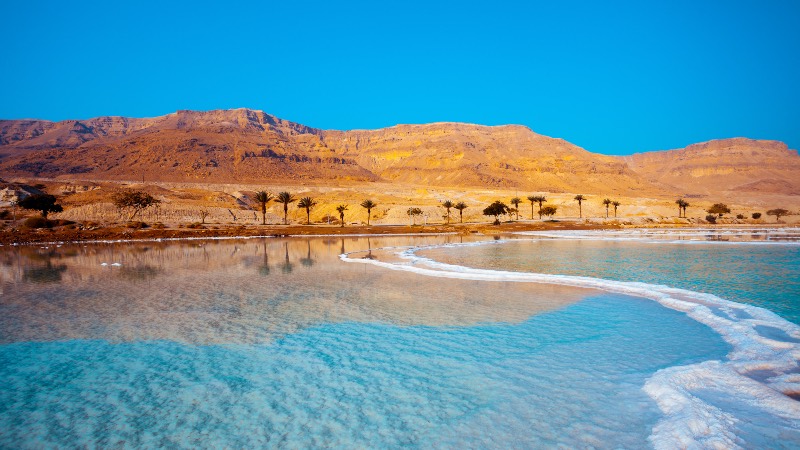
281,343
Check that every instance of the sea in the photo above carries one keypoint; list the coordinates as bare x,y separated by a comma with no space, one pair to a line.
576,339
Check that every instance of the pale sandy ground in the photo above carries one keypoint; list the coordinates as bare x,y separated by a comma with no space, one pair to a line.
183,202
229,207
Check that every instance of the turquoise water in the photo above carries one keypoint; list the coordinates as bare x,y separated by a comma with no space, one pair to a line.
279,343
359,385
763,275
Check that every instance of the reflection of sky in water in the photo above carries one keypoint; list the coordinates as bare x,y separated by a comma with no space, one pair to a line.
246,291
571,377
763,275
276,342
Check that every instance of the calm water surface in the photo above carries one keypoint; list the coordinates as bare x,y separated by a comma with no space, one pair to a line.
278,343
763,275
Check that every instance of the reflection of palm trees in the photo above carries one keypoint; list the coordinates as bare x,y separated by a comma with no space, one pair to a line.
369,250
342,252
287,266
307,261
263,269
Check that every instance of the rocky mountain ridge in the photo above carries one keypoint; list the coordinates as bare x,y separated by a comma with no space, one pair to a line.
248,146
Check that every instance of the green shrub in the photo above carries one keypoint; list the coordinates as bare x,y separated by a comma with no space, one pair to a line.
756,215
195,225
136,225
37,222
740,216
711,218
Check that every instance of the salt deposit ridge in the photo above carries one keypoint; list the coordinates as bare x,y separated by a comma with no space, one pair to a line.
744,401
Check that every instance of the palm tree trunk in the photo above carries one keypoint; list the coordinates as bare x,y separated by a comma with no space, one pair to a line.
368,214
540,210
308,216
580,211
285,212
263,214
460,216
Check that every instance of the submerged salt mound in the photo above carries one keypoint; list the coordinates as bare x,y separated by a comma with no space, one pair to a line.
743,401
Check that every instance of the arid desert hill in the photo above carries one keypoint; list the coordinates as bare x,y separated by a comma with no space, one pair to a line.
731,167
247,146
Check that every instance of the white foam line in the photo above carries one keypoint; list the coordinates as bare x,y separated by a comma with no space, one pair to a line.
691,420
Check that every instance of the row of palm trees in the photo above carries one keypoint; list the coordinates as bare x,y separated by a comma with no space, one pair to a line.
607,202
307,203
460,206
682,205
540,199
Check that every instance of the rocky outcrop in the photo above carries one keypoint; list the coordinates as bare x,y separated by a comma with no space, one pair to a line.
12,193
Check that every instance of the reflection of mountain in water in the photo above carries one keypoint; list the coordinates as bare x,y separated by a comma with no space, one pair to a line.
211,291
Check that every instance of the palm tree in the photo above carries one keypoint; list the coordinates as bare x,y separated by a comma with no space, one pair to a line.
580,198
368,204
607,202
447,204
460,206
307,203
263,197
537,199
682,204
616,205
285,198
516,201
341,209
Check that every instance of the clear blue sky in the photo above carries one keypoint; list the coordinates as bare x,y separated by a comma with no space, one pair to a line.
614,77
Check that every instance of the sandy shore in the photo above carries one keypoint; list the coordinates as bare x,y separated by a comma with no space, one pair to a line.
119,232
12,236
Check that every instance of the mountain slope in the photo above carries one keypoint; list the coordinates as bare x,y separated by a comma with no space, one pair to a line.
736,166
247,146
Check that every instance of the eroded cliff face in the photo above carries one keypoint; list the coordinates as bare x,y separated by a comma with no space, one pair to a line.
247,146
456,154
228,146
724,166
